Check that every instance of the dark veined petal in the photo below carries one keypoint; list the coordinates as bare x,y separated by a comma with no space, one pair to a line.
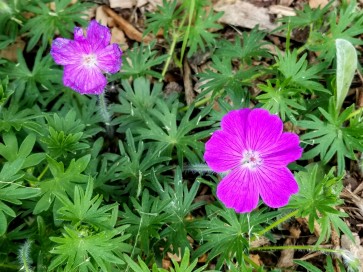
84,80
65,51
79,34
264,129
238,190
275,185
235,124
98,36
223,152
109,58
284,151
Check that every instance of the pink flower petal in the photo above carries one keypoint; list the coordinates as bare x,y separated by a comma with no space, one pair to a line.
284,151
223,152
264,129
79,34
98,36
235,123
84,80
275,185
65,51
238,190
109,58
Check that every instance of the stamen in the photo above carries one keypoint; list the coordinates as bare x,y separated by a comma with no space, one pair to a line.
251,159
90,60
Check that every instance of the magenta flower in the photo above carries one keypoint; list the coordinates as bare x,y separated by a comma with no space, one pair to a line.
86,58
255,151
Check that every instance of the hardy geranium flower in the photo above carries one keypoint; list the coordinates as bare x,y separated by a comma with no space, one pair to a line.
86,58
253,148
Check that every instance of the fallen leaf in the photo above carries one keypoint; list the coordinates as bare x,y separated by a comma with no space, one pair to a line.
128,28
124,4
10,51
188,85
318,3
118,36
101,16
287,255
244,14
353,249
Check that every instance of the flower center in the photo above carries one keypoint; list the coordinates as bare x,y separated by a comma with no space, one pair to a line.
90,60
251,159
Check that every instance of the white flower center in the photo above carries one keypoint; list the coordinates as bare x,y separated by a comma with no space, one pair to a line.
251,159
90,60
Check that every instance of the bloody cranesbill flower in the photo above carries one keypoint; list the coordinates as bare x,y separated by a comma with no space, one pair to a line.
253,148
86,58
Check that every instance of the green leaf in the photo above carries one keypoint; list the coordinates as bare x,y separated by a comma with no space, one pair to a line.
317,199
3,223
87,210
62,181
308,266
78,245
47,22
346,66
140,61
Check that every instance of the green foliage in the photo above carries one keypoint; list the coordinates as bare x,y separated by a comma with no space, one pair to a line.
307,17
139,61
61,181
226,234
195,34
333,136
65,135
47,22
136,102
5,92
246,48
200,36
317,198
328,268
346,66
29,82
179,210
170,133
11,19
296,72
233,82
12,190
87,210
82,250
164,18
63,171
280,99
139,164
146,220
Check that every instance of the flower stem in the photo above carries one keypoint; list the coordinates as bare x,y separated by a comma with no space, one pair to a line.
171,52
275,224
104,113
314,248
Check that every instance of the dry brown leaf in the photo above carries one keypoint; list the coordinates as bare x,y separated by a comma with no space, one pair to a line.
353,249
244,14
10,51
285,3
280,10
317,3
256,259
101,16
287,255
188,85
124,4
118,36
128,28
